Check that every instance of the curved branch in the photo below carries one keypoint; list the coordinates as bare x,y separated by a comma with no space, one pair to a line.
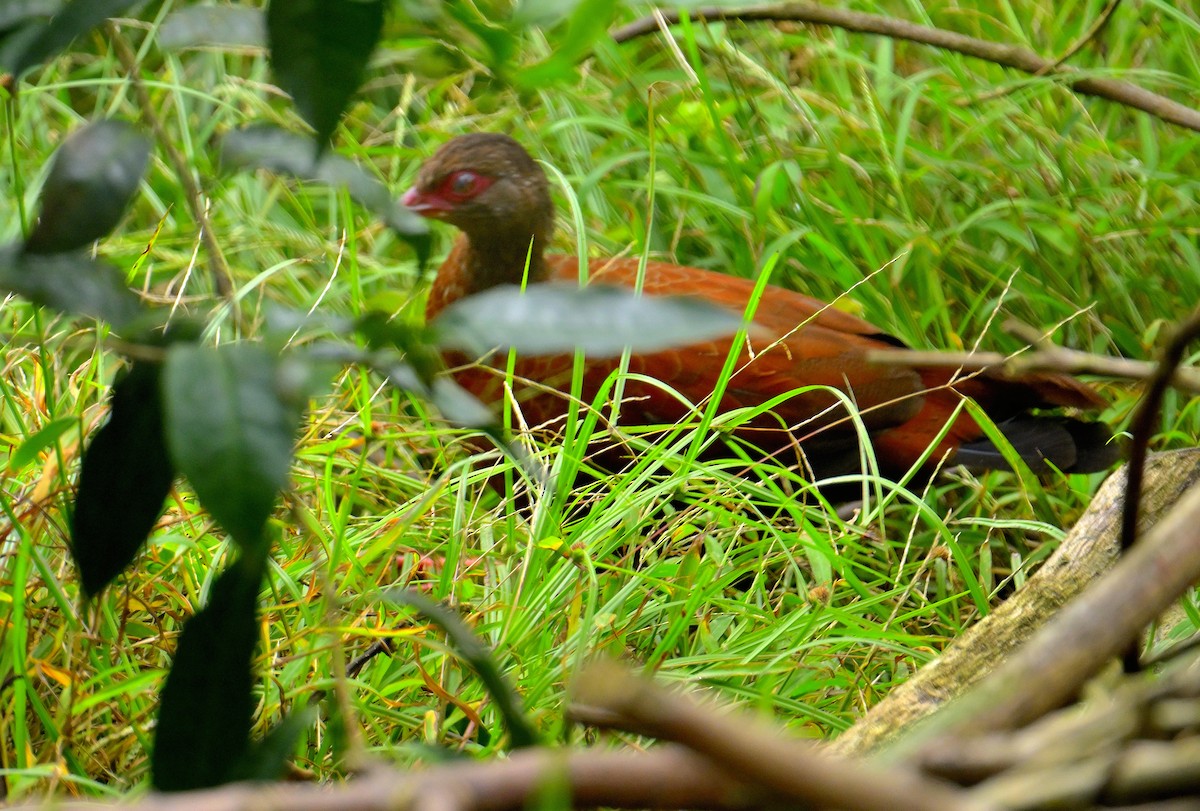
1146,418
1010,56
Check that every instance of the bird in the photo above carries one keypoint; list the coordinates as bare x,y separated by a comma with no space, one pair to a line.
808,357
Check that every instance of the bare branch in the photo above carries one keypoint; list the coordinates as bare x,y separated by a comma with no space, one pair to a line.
1090,549
1146,418
793,769
663,778
1097,625
1010,56
1056,359
1046,357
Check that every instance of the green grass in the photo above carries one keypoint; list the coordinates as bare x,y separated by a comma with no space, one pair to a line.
865,169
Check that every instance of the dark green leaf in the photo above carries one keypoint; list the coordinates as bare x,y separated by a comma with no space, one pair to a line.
301,376
207,706
125,477
94,176
43,439
17,13
601,320
262,146
14,42
72,283
267,759
214,26
381,330
319,50
454,402
75,19
230,431
479,657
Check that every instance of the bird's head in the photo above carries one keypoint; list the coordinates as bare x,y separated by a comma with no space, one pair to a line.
483,183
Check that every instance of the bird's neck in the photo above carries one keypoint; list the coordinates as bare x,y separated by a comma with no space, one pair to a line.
482,260
497,259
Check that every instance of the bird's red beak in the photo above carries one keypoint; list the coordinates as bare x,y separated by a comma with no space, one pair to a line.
427,205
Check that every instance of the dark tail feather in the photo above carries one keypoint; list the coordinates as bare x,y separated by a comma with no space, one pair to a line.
1095,446
1045,443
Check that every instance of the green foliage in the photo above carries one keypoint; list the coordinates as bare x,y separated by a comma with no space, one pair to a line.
38,38
225,417
468,646
69,282
319,50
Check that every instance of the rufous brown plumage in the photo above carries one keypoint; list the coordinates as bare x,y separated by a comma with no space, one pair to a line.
496,194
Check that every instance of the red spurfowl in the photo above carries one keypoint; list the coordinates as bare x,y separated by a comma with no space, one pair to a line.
496,194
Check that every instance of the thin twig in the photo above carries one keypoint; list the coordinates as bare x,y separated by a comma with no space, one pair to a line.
376,648
1011,56
1142,429
1144,421
1075,47
222,279
1046,358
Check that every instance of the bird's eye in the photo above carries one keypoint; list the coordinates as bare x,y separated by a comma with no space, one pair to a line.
462,184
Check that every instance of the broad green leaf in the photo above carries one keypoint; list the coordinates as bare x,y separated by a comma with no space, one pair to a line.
319,51
73,20
262,146
214,26
14,41
94,176
230,431
125,477
73,283
601,320
207,707
43,439
454,402
382,331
